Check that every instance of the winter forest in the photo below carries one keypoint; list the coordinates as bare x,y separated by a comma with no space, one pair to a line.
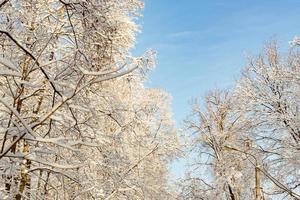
78,120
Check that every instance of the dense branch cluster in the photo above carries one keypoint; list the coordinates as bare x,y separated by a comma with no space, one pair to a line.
76,121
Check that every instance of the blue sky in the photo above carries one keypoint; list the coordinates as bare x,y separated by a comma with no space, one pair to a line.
203,44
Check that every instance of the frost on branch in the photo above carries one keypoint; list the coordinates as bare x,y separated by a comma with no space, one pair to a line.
295,41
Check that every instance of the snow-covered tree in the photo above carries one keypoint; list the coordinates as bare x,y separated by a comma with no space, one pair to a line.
217,173
76,120
268,93
247,142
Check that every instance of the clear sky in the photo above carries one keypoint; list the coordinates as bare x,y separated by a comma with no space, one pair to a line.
203,44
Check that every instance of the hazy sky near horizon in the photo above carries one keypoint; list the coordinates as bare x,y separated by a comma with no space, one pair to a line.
203,44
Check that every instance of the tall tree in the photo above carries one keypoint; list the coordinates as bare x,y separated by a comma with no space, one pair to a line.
213,127
268,93
250,139
76,120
